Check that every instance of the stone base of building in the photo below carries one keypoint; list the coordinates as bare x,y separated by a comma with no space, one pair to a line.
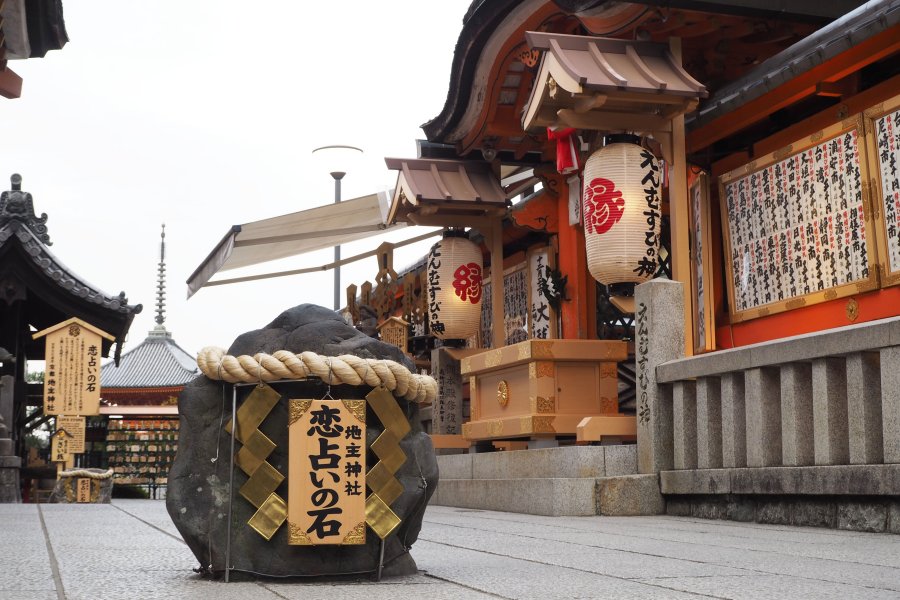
854,513
852,497
567,481
9,480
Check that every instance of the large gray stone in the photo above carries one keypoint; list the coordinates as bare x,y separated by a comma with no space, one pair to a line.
862,516
864,408
684,433
198,494
763,405
814,513
890,402
630,495
447,410
9,484
550,497
709,423
703,481
830,425
734,420
455,466
659,338
66,491
796,415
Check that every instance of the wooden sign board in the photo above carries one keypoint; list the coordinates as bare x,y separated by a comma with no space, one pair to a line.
83,489
701,260
395,331
75,427
798,225
883,143
327,472
541,316
72,368
59,448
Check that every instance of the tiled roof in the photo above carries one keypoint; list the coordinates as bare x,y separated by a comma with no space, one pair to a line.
156,362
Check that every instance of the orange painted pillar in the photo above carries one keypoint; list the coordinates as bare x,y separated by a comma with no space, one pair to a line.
573,264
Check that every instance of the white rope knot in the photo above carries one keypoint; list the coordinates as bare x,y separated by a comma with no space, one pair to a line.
345,369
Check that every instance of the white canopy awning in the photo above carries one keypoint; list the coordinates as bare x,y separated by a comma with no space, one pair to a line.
294,234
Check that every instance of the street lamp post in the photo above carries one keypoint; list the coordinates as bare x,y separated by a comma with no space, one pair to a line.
337,160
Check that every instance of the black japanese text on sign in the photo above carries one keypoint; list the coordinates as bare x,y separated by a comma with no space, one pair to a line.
326,472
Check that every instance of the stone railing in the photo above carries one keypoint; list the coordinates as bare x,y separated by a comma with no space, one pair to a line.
829,398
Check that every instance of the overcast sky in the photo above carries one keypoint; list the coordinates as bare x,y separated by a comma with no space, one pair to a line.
202,115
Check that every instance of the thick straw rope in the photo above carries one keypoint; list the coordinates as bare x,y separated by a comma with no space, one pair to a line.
335,370
86,473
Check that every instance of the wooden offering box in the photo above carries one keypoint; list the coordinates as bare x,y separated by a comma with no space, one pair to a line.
541,388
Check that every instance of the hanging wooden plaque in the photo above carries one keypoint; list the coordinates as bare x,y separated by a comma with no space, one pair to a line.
72,368
75,427
883,143
798,225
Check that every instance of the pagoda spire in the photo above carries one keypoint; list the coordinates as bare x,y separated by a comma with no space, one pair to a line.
160,329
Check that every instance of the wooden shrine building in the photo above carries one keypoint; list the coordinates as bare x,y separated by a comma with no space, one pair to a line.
38,291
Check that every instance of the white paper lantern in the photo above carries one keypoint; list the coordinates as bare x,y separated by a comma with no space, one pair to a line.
621,210
454,287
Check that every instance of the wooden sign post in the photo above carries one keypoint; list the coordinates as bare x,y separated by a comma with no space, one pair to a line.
72,370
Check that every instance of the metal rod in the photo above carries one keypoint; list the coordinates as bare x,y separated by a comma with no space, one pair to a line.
234,426
380,561
337,249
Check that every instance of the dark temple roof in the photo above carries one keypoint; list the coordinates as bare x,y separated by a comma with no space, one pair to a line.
156,362
49,292
853,28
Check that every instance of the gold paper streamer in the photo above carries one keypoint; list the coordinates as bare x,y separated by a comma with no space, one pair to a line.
269,517
264,479
380,478
380,517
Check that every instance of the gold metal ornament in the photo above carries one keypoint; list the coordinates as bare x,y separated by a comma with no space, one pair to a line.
852,309
503,394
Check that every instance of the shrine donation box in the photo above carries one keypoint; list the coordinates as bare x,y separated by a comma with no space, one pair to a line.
541,388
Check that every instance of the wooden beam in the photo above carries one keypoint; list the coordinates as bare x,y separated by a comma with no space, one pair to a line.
498,293
573,265
607,121
679,218
10,84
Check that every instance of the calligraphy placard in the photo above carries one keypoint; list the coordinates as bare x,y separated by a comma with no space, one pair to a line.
72,368
542,316
59,448
798,225
701,262
83,489
883,143
75,427
327,472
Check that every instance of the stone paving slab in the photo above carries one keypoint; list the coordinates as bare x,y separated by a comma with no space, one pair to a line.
130,549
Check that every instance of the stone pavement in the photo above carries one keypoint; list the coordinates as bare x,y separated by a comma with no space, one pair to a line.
130,550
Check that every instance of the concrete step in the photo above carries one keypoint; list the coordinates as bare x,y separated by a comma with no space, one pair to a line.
627,495
544,463
566,481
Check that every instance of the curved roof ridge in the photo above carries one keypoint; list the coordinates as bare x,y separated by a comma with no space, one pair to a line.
158,361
